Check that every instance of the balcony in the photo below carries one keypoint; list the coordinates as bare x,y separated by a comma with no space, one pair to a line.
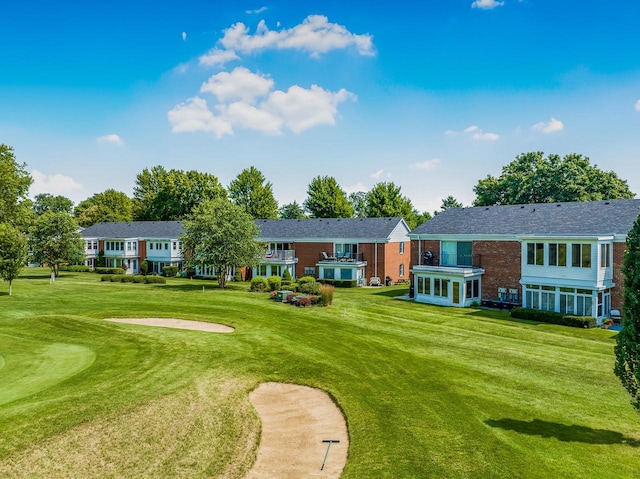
325,257
450,260
282,255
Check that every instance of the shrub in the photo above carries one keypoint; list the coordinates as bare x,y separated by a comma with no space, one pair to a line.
303,301
259,284
314,300
290,297
554,318
105,277
144,267
237,276
274,282
117,278
273,295
306,279
340,283
286,276
110,271
138,279
310,288
155,280
75,268
326,294
126,279
170,271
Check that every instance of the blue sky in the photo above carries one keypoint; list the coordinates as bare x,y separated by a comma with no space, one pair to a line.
432,95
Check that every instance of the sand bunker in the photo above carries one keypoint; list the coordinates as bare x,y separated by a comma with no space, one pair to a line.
295,421
176,324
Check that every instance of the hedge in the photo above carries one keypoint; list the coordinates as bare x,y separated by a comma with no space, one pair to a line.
75,268
110,271
133,279
170,271
259,284
554,318
340,283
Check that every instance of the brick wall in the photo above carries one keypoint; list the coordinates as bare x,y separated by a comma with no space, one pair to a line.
501,261
393,259
308,255
618,277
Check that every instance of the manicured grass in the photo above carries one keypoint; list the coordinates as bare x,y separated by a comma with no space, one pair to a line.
427,391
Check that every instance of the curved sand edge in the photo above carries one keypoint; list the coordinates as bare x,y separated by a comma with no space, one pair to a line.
295,421
176,324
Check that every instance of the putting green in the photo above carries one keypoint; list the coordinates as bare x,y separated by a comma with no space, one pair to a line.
32,367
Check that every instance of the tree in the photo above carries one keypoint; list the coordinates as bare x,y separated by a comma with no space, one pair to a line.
13,253
358,202
47,202
292,211
54,239
385,199
221,234
110,205
450,202
161,195
14,187
627,349
325,199
255,195
532,178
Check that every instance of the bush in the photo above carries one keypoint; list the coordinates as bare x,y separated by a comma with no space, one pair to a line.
340,283
303,301
138,279
306,279
286,276
105,277
274,282
110,271
117,278
259,284
170,271
75,268
273,295
127,279
314,300
290,297
237,276
326,294
554,318
144,267
155,280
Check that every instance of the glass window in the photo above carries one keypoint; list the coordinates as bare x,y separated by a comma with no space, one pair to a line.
345,273
586,256
540,254
329,273
261,270
456,292
401,270
420,285
309,271
401,247
581,255
535,253
605,255
150,245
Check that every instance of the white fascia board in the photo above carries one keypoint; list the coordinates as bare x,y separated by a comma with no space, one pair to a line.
559,282
322,240
462,237
567,237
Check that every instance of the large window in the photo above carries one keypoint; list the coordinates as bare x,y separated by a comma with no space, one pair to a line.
557,254
261,270
473,288
441,287
346,250
605,255
346,273
456,253
535,253
424,285
581,255
309,271
329,273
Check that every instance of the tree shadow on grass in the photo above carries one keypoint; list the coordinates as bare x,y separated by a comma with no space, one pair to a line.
391,292
563,432
208,286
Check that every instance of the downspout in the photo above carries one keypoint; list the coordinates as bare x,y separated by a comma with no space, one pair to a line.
375,273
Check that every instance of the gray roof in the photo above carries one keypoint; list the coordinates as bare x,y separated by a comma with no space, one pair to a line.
328,228
134,229
553,219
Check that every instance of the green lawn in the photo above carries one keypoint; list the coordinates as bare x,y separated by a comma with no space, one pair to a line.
427,391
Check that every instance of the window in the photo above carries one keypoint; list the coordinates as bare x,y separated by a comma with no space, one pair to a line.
345,273
535,253
346,250
581,255
441,287
174,245
401,248
548,298
557,254
150,245
456,253
401,270
166,246
329,273
420,285
605,255
309,271
472,288
424,285
261,270
158,245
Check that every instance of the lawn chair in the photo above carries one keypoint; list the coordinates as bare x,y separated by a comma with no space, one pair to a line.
375,281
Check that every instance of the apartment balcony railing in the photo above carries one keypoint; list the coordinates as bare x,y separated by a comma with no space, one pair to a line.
429,258
287,254
341,257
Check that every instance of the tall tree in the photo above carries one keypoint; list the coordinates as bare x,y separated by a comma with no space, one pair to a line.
47,202
254,194
450,202
110,205
221,234
54,239
532,178
14,187
358,201
161,195
292,211
627,349
325,199
386,199
13,253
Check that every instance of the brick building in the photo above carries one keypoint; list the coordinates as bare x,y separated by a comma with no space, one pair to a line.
564,257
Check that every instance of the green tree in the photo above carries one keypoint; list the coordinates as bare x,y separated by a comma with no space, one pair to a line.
254,194
54,239
358,202
325,199
13,253
292,211
532,178
110,205
450,202
385,199
221,234
161,195
627,349
47,202
14,187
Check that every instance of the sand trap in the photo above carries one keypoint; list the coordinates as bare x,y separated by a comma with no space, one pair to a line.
176,324
295,421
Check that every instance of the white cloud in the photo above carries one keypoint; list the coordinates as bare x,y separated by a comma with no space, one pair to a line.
301,109
551,127
637,105
450,132
256,11
359,186
216,56
486,4
427,164
476,133
194,115
472,128
240,84
56,184
248,116
184,36
377,174
113,138
315,35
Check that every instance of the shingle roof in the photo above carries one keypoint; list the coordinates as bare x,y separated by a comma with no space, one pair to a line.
554,219
327,228
135,229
